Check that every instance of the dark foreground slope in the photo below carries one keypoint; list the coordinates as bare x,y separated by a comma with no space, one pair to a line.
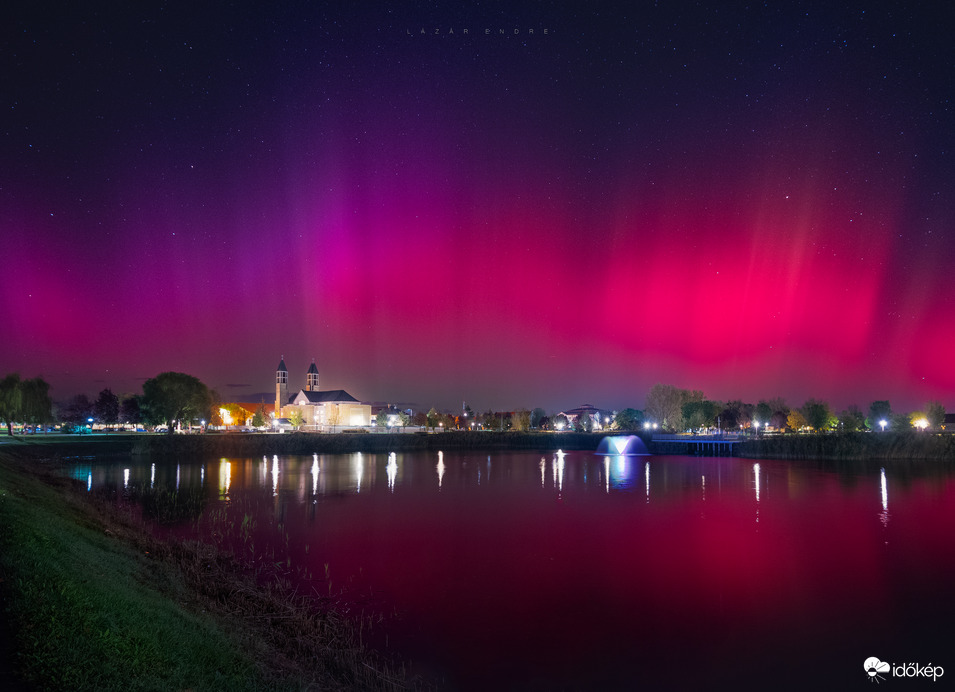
92,601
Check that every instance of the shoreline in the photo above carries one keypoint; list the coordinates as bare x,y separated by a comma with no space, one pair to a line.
94,599
833,447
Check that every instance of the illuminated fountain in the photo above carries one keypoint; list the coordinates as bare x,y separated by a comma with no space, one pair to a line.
623,445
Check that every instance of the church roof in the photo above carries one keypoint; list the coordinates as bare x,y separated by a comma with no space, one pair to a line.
282,367
331,396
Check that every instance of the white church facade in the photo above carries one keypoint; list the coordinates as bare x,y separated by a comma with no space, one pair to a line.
322,411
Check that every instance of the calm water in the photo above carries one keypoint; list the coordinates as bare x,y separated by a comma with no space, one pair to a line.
576,571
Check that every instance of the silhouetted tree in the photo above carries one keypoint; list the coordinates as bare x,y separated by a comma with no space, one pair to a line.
106,408
628,419
878,411
935,414
852,419
129,411
175,396
816,414
78,410
11,401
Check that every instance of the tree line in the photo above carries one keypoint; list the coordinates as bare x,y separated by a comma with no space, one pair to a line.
676,409
168,399
173,398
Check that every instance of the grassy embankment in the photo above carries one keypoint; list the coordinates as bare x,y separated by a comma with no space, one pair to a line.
905,446
252,444
93,602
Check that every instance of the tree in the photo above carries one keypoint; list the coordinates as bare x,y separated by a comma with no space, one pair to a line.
334,415
258,418
584,422
11,400
664,405
36,402
403,419
763,413
816,414
78,410
175,396
628,419
852,419
522,420
381,420
215,408
899,422
432,417
796,421
106,408
296,418
935,414
560,422
420,419
878,411
699,414
537,415
129,409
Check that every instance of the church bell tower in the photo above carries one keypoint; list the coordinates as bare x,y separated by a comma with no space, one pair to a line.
281,388
311,378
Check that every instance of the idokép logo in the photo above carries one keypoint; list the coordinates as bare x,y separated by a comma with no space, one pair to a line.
877,670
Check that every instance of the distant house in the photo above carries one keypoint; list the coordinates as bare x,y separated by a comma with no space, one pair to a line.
948,424
598,417
328,410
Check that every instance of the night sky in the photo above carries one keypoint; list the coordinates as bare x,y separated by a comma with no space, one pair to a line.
751,200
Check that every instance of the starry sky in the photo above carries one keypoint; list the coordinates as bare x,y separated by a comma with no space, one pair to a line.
753,200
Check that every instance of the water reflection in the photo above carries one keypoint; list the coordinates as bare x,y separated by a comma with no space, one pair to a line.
315,471
225,478
392,470
358,464
558,468
884,514
574,529
275,476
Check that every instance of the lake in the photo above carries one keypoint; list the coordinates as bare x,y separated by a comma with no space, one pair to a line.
577,571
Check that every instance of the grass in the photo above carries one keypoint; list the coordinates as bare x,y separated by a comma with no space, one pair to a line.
96,603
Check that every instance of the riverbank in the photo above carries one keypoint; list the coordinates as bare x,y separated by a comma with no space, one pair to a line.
870,446
239,444
93,600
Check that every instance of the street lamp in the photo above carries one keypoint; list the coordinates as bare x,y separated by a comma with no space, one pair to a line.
883,424
756,425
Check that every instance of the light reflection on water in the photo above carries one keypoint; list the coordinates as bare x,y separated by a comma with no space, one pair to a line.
557,561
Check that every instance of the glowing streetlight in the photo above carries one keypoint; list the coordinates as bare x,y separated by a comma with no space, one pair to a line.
883,423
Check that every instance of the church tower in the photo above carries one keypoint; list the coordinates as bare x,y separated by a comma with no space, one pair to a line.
281,388
311,378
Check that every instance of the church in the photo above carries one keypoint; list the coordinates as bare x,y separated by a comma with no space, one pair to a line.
322,411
